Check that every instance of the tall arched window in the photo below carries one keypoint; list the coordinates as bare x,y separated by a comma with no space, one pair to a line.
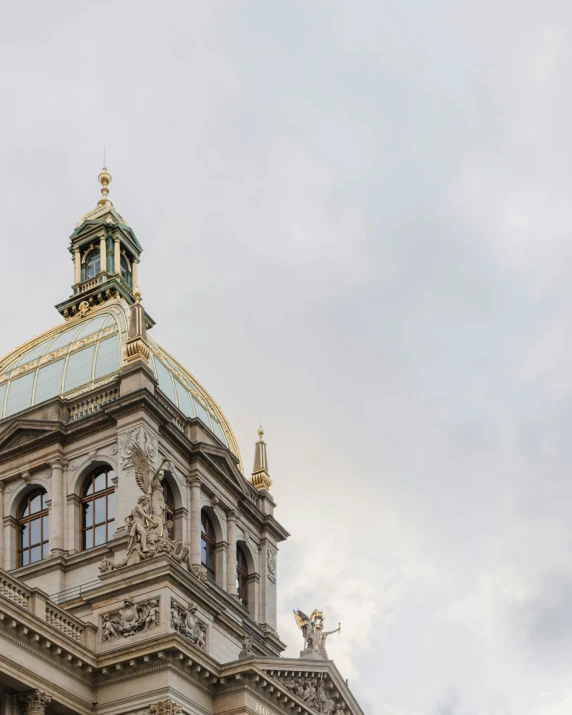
125,270
208,546
33,528
92,264
241,575
97,508
169,508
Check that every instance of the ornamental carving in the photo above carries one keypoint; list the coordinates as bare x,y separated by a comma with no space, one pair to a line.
165,707
130,619
31,702
312,692
271,562
186,622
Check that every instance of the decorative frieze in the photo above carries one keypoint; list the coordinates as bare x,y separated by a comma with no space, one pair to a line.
165,707
312,692
130,619
186,622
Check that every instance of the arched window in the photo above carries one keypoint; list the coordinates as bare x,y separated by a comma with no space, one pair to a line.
97,508
92,264
169,508
125,270
208,546
241,575
33,528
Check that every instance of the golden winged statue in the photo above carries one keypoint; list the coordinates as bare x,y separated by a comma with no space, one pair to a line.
309,625
150,484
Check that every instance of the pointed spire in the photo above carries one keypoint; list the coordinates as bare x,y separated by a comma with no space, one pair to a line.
104,179
260,478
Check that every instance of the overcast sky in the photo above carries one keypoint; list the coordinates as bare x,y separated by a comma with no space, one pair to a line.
357,222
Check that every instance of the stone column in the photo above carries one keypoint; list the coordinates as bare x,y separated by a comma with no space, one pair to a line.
33,702
2,487
135,274
195,484
76,266
102,254
117,255
57,508
231,553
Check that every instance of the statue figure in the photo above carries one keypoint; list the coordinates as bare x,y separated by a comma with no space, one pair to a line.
152,614
138,520
322,635
310,696
109,628
327,705
309,627
150,484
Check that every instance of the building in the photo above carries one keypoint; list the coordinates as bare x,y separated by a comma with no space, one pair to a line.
138,564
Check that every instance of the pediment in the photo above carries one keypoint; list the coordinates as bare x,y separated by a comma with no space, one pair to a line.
222,461
313,685
22,432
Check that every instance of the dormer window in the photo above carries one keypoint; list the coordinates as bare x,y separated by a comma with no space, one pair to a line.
92,264
125,270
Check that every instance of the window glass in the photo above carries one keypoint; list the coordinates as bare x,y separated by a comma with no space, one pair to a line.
33,527
49,382
97,509
78,371
202,414
185,401
107,359
92,264
165,382
217,429
33,353
64,339
91,327
20,394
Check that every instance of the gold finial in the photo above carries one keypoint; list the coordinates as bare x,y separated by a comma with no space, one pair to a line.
104,179
260,433
137,296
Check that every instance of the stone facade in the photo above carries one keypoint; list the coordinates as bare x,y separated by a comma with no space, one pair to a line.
121,627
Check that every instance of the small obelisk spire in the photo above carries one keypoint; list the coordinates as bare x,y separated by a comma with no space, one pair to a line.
104,179
260,478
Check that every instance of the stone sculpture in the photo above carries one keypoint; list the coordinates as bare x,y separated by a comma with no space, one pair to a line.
313,693
188,624
247,651
312,628
130,619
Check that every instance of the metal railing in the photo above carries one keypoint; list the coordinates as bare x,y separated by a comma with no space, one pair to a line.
70,593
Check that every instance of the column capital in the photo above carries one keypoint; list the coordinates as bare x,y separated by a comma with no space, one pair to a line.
231,515
33,701
193,482
2,487
58,463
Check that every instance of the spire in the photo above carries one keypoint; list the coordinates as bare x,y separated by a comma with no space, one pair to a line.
104,179
260,478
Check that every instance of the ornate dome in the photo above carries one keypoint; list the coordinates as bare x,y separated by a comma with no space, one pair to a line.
87,352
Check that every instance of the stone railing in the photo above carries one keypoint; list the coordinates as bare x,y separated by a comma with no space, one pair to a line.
37,603
92,403
60,620
13,591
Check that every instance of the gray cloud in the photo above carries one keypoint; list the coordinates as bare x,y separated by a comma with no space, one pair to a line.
362,214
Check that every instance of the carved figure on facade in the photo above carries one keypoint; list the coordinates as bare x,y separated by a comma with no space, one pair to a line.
247,651
165,707
186,622
312,628
130,619
312,691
